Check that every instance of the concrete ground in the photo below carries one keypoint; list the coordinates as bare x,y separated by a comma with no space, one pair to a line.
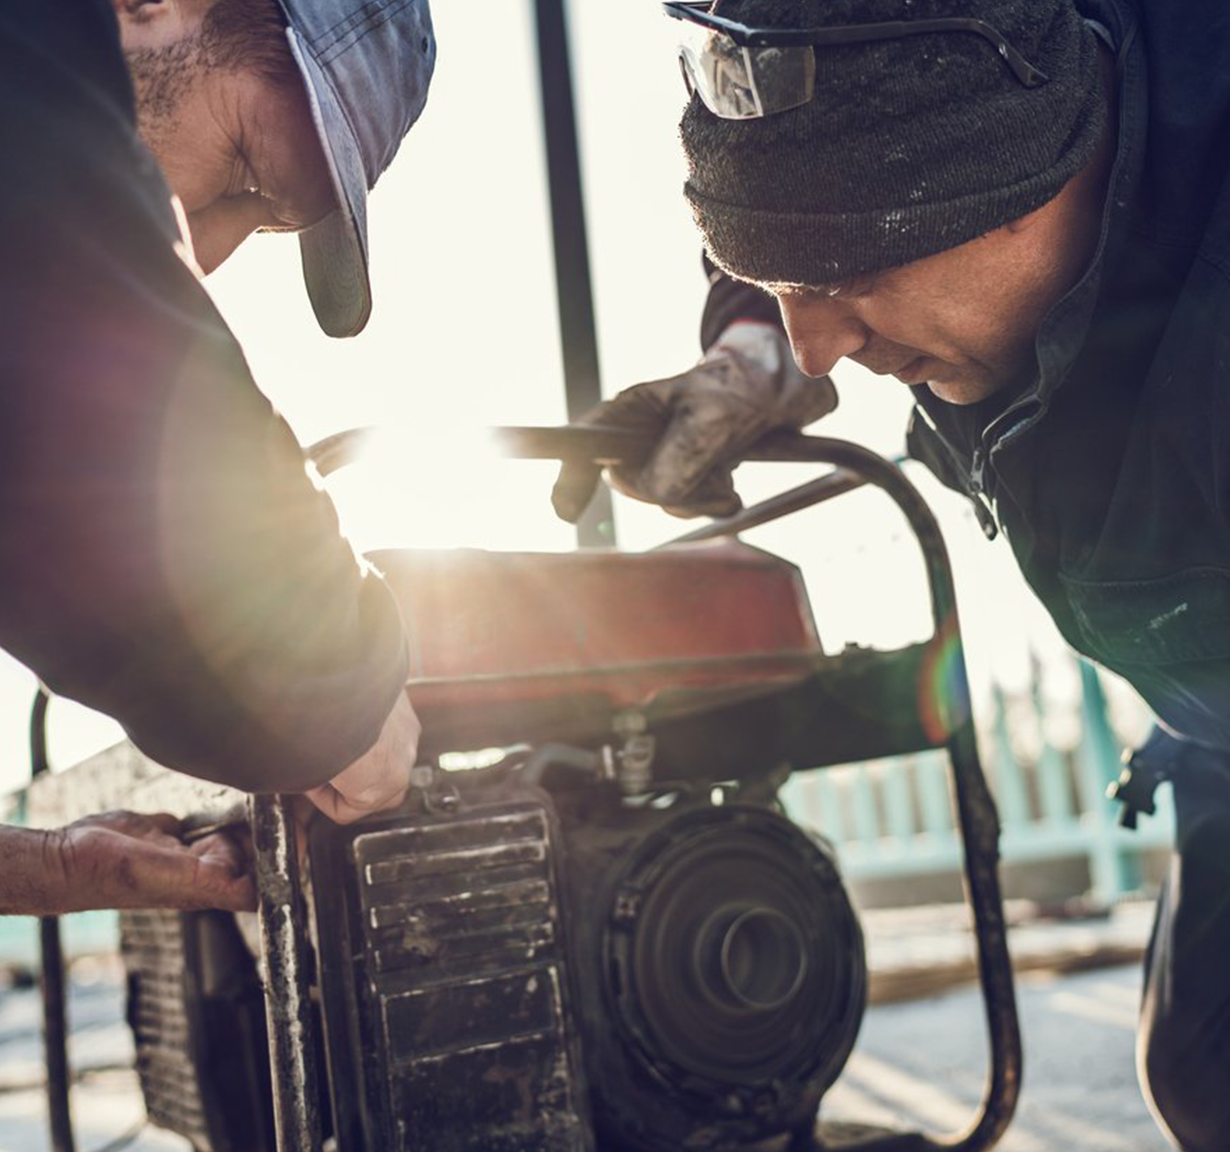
106,1103
919,1061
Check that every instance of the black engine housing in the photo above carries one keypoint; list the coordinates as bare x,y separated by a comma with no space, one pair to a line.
507,968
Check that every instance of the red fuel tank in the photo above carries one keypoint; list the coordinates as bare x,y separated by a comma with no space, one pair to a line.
511,646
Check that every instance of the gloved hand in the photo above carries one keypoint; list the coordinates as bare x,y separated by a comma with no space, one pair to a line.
747,384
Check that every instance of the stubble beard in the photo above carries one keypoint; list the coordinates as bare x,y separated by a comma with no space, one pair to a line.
161,78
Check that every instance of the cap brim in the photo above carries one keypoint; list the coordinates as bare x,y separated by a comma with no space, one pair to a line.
334,250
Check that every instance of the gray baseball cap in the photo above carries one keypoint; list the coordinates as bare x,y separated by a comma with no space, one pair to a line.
367,65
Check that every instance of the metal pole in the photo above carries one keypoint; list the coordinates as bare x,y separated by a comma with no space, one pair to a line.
288,1005
574,291
55,1007
55,1032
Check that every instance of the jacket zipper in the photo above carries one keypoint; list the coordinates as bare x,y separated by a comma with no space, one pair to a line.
971,479
978,494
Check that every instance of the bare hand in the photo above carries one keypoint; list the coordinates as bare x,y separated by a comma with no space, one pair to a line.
746,385
125,860
379,778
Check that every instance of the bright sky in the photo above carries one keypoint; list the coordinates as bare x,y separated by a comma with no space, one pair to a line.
464,336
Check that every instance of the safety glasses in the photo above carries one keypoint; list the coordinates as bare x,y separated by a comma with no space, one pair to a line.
742,73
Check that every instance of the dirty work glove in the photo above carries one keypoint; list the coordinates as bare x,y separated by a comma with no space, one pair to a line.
747,384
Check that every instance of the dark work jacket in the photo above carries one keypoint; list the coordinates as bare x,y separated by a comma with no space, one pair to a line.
1110,473
164,557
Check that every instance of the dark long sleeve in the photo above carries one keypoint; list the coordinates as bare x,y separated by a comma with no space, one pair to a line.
730,300
164,556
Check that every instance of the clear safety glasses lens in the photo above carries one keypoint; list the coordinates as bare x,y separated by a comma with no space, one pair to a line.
741,73
738,83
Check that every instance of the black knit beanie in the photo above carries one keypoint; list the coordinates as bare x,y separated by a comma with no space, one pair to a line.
910,146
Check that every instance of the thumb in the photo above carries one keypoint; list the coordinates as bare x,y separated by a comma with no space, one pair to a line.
574,489
642,408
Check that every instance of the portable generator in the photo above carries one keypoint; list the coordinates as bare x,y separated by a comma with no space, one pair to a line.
619,937
591,927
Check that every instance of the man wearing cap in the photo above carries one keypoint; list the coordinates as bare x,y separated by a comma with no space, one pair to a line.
164,555
1021,210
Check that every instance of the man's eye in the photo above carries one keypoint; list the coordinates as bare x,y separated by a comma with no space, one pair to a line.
851,289
243,178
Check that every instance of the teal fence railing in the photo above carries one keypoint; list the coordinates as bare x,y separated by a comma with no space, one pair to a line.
892,819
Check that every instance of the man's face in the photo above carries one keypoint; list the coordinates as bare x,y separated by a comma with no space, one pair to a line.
962,321
239,150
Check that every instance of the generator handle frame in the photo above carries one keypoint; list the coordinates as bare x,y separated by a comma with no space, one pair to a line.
291,1028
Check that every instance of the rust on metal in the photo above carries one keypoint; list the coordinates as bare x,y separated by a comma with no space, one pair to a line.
288,1007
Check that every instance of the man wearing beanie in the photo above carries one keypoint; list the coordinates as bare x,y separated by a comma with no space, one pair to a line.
165,556
1021,210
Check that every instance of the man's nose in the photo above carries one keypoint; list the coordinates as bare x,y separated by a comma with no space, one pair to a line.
821,331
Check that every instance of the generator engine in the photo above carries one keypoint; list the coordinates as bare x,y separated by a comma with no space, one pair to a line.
554,971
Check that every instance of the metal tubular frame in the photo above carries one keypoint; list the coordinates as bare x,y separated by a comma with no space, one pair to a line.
977,816
854,466
285,973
